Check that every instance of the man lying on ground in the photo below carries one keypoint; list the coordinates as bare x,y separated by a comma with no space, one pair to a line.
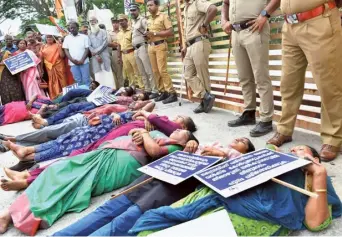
118,215
269,209
114,165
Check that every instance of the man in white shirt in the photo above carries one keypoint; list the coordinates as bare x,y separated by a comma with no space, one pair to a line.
76,48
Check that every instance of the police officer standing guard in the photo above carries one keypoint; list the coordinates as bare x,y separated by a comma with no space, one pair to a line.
159,29
139,27
116,66
198,15
126,53
250,41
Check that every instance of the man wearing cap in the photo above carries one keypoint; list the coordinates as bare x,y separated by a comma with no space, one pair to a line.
247,22
159,29
139,27
116,66
100,60
126,53
312,35
198,14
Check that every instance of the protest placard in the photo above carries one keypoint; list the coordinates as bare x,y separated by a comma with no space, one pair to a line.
69,88
19,63
105,99
215,224
48,30
178,166
99,92
247,171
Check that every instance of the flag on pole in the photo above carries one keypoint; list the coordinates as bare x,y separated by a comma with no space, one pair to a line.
60,28
140,1
127,3
59,8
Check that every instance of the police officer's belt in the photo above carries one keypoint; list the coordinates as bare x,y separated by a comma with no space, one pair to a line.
139,45
195,40
240,26
127,51
155,43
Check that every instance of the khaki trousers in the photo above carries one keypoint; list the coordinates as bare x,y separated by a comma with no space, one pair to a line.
158,58
251,58
145,68
196,64
117,69
131,69
317,42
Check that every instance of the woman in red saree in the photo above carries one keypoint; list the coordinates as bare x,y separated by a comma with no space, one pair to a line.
53,55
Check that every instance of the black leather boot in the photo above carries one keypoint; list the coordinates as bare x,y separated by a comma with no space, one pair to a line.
247,118
162,96
153,96
261,129
208,102
172,98
199,109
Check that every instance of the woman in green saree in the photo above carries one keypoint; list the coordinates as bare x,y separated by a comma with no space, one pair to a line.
68,185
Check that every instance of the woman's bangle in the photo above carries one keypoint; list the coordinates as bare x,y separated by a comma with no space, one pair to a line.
320,191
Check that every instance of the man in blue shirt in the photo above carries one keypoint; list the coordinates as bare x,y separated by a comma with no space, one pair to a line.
9,44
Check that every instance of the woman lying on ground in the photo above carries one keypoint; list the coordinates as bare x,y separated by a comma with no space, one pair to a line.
162,124
114,165
117,216
72,109
268,209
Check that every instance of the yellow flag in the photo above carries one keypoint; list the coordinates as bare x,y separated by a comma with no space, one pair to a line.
59,9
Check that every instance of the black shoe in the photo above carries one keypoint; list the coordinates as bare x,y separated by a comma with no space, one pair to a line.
162,96
262,128
172,98
2,136
199,109
247,118
23,165
3,148
153,96
208,102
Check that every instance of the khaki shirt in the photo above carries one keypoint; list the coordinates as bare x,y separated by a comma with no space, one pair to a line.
297,6
158,23
139,27
244,10
194,15
125,39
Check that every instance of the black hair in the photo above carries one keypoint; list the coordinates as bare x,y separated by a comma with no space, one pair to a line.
22,40
146,96
314,153
102,26
129,90
192,137
96,83
190,124
156,2
75,23
251,147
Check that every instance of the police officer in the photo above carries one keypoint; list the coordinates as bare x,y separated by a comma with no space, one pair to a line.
159,29
248,22
113,44
139,27
126,53
312,35
198,15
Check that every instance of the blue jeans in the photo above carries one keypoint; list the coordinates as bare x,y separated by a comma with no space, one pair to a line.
114,218
70,110
81,74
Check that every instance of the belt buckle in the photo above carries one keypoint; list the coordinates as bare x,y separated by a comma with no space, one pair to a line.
292,19
237,27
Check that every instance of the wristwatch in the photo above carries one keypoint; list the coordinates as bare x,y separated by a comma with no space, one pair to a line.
265,13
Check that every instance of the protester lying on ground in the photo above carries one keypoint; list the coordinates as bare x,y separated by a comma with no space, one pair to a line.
117,216
72,109
18,111
161,123
114,165
269,209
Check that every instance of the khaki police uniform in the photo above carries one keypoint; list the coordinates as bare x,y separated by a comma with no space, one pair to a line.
139,26
251,52
129,63
318,42
116,66
158,53
196,60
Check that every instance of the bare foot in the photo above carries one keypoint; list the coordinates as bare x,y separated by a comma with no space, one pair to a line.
19,151
16,185
37,126
5,220
15,175
38,119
